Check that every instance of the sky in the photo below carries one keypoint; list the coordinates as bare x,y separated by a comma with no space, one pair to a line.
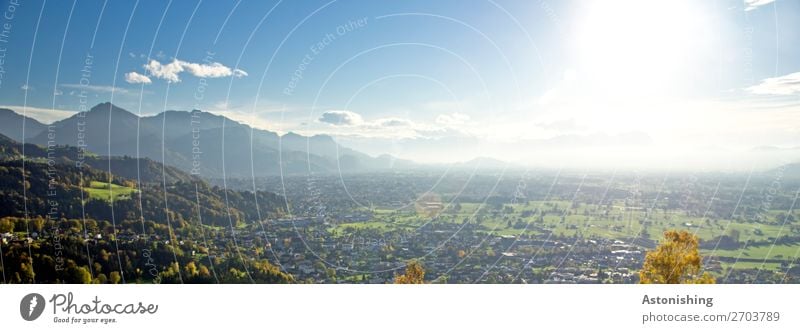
618,83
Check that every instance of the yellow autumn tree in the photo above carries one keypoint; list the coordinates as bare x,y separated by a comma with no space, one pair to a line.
676,260
415,274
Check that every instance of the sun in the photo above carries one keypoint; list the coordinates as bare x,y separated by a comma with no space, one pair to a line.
630,48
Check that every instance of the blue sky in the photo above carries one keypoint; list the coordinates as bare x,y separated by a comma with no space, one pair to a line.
412,78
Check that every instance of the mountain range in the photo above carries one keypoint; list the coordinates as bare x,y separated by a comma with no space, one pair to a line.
11,125
197,142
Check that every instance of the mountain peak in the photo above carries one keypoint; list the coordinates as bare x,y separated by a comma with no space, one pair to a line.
107,107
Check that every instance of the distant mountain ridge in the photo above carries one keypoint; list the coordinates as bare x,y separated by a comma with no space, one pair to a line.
199,142
11,125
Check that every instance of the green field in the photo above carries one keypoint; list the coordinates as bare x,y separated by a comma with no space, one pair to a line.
751,265
108,191
562,218
782,252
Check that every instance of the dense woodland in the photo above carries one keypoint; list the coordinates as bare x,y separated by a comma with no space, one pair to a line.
57,232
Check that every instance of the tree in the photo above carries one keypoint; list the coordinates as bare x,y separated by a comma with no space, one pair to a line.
38,224
115,277
734,234
26,273
6,225
415,274
203,271
77,274
101,278
676,260
191,269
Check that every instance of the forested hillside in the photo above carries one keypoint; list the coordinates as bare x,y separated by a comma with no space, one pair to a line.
112,227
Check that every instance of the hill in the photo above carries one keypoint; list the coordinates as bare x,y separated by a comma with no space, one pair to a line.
94,216
64,176
11,125
788,171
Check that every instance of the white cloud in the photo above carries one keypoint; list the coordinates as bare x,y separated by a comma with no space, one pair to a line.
348,123
239,73
98,89
341,118
134,77
167,72
170,71
351,124
206,70
393,122
782,85
452,119
26,87
221,105
753,4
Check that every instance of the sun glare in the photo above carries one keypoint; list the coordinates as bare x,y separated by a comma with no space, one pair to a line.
628,48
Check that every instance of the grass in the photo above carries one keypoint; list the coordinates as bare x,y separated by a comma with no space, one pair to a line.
751,265
785,252
108,191
589,220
